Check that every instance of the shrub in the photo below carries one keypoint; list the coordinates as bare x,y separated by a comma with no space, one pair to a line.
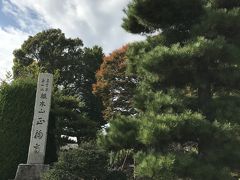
87,162
116,175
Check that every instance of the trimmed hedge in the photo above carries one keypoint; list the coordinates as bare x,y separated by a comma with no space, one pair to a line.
16,114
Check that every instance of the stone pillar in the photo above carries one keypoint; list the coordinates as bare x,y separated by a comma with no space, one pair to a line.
36,154
30,171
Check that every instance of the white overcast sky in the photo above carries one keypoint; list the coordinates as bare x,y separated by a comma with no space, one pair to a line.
96,22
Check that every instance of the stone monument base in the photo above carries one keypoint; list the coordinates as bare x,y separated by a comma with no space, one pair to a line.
30,171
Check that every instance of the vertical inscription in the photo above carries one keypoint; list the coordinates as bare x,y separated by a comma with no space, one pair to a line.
38,139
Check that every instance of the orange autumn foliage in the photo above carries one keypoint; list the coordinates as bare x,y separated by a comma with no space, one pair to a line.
113,86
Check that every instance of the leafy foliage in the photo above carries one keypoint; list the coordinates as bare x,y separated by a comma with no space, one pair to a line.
16,112
87,162
114,86
116,175
71,120
120,163
74,68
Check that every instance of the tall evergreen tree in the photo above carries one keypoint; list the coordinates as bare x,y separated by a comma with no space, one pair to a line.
188,97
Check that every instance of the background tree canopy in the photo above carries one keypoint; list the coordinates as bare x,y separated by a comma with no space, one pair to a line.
114,86
74,67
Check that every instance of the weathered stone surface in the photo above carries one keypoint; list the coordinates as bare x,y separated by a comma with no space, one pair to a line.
30,171
37,147
35,166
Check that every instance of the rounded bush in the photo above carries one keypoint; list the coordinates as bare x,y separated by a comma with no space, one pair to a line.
87,162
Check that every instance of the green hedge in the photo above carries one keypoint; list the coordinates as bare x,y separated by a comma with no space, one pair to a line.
16,114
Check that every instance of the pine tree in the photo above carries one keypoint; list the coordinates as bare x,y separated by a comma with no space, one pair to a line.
188,96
